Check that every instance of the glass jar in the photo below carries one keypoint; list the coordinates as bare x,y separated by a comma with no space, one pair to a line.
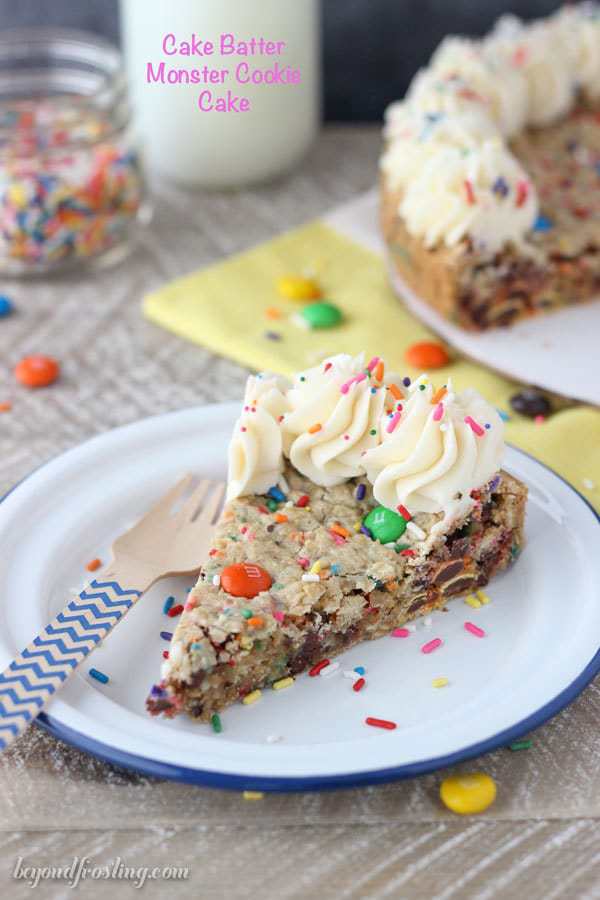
71,185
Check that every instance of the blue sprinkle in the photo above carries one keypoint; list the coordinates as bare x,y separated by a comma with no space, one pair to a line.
373,390
334,569
406,381
156,690
168,604
276,494
366,531
504,416
487,425
6,307
99,676
360,670
361,490
500,186
273,336
542,224
166,635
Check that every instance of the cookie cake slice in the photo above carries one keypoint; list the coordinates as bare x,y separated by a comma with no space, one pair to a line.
355,503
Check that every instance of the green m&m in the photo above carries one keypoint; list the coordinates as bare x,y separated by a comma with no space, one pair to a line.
319,315
384,524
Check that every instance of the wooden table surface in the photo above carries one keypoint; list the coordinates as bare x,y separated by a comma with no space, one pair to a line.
541,839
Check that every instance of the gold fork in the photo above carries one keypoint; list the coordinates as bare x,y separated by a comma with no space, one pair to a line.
171,539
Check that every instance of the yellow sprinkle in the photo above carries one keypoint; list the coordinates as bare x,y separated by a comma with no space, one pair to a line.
483,597
356,526
253,795
252,697
283,683
18,196
439,682
246,643
316,567
472,601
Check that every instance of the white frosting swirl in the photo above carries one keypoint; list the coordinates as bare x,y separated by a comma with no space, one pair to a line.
332,415
578,27
544,54
255,451
433,458
415,136
481,192
502,86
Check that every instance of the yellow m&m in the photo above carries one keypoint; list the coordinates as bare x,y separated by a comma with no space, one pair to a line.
468,794
294,287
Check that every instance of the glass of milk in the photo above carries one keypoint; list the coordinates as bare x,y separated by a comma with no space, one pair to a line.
225,92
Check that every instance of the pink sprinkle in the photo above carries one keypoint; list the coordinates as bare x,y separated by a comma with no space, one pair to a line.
373,363
393,422
479,431
337,538
279,615
474,629
346,387
539,420
438,412
432,645
303,561
191,603
400,632
360,377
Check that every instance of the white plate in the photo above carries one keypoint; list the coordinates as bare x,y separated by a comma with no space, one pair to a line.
558,352
540,649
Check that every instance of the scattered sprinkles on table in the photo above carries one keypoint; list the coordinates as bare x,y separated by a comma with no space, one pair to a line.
97,675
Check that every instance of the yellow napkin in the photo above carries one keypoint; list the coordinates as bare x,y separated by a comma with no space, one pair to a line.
226,308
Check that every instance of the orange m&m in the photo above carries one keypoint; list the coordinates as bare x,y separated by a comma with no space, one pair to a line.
245,580
427,355
37,371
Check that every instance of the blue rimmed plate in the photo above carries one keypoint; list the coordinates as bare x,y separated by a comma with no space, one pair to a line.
540,647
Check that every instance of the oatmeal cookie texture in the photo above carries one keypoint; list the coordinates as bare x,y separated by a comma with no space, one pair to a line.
491,168
331,585
388,502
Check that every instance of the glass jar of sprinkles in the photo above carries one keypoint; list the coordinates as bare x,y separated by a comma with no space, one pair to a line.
71,186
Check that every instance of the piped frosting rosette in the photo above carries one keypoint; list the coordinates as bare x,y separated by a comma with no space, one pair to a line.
335,409
255,451
482,192
415,136
432,455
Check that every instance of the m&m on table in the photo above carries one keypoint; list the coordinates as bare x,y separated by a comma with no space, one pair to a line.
295,287
427,355
37,371
468,794
6,307
245,580
319,315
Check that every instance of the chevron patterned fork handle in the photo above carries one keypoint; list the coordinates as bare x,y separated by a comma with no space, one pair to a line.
31,680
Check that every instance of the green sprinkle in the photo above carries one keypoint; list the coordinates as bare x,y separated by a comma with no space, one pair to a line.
373,431
215,721
272,505
302,378
421,387
247,613
520,745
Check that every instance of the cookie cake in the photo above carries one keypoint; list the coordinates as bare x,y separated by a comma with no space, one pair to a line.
356,501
